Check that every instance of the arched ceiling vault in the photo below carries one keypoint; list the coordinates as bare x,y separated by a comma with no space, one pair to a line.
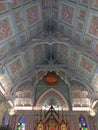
49,35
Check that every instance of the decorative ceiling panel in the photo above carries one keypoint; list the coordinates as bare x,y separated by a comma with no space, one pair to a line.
74,56
95,47
14,29
13,43
82,14
18,15
81,30
3,7
95,4
23,37
33,14
28,57
87,41
66,13
31,32
15,66
84,2
20,27
86,64
77,35
92,26
6,28
3,49
79,26
15,4
64,49
38,52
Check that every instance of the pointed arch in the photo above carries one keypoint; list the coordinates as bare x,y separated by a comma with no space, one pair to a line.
55,93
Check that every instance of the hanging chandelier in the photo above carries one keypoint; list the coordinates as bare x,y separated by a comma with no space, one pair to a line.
51,78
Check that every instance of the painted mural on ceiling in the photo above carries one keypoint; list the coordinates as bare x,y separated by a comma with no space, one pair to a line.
27,52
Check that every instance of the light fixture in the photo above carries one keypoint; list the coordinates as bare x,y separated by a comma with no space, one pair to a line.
92,112
51,78
11,111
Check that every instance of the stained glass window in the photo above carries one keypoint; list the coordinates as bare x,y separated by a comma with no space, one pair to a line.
83,123
21,123
63,126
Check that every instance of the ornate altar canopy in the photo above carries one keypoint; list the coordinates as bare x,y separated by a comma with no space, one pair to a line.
51,121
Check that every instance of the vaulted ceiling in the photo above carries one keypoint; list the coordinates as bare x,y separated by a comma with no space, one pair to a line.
37,37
